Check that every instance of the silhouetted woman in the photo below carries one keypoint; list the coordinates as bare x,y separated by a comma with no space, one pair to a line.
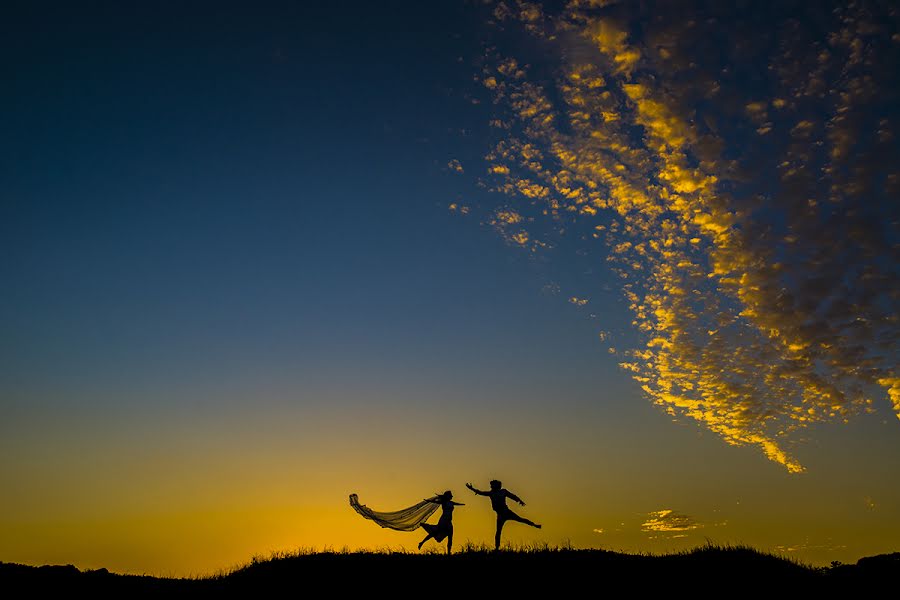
444,527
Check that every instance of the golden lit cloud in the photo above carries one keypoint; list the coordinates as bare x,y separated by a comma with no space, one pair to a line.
667,521
458,208
762,270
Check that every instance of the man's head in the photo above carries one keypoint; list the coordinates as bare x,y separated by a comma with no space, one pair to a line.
495,484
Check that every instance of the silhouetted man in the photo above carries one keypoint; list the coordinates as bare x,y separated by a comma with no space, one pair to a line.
498,497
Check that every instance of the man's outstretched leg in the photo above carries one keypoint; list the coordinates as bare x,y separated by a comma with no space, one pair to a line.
516,517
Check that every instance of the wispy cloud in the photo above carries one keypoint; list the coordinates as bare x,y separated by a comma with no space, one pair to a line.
806,546
745,182
669,521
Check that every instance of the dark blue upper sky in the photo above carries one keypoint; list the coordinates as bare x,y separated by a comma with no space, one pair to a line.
189,192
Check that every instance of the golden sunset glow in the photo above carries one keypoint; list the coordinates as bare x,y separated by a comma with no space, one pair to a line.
639,261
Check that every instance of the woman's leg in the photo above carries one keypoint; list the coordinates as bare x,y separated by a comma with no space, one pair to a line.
427,537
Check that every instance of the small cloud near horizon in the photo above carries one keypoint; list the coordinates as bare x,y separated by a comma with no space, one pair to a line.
669,521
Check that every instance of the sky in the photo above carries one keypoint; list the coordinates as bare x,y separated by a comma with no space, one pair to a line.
636,260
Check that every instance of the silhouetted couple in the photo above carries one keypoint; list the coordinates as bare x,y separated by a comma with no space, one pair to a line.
498,496
414,517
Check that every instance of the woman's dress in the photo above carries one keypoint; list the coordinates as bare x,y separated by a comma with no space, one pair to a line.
444,526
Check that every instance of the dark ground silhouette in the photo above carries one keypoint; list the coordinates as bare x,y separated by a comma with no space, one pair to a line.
706,571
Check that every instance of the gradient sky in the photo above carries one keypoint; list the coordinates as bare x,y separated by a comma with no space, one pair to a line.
639,264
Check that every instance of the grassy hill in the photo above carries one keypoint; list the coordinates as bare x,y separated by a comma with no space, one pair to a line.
704,571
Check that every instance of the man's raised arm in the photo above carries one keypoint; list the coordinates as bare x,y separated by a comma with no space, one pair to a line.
479,492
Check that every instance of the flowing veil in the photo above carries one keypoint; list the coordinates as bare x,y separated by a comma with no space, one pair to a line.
406,519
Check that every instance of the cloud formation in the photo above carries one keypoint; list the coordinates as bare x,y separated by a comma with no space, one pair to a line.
739,171
668,521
